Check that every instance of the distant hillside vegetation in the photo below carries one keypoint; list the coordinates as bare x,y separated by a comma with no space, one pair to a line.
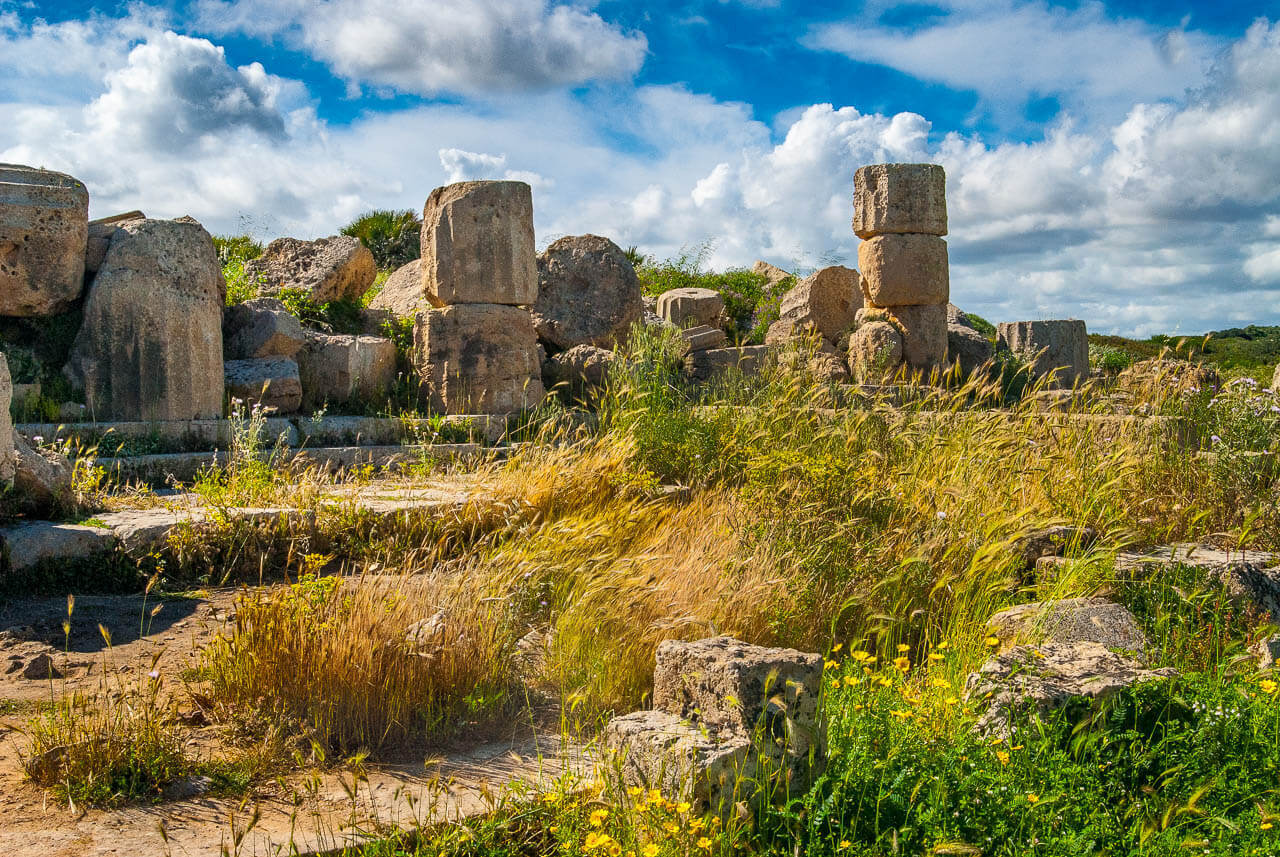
1248,349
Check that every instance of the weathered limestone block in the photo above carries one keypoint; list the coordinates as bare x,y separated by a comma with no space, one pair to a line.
658,750
1249,577
705,365
580,366
44,223
100,232
7,453
338,368
904,270
588,293
42,477
969,348
894,198
1046,677
924,335
727,684
1069,621
733,722
477,244
328,269
703,338
402,293
875,351
829,300
786,330
478,358
691,307
772,273
1267,651
258,328
272,382
1058,348
150,345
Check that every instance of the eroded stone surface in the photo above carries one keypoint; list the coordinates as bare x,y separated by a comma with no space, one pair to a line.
272,382
150,346
691,307
581,367
588,293
100,232
328,269
875,351
258,328
703,338
1046,677
658,750
478,358
1057,349
477,244
904,270
7,454
705,365
1069,621
828,300
924,335
403,294
969,348
44,224
895,198
772,273
339,368
42,477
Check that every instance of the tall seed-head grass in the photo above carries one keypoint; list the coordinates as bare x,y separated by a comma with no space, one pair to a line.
360,663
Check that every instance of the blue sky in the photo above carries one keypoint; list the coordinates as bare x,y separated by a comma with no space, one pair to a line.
1117,162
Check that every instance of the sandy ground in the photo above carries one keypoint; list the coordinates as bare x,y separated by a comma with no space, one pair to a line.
303,811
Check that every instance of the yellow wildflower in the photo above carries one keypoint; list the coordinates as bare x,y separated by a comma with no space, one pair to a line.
903,648
598,816
860,656
1268,686
1003,756
704,843
902,662
651,850
1033,798
684,807
936,657
992,641
850,681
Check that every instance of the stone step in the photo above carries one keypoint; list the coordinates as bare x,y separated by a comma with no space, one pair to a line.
33,545
184,467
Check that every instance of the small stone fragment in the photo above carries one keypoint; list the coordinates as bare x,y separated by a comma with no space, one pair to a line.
328,269
259,328
828,300
691,307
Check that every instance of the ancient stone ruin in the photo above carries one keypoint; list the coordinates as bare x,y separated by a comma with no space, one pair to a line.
900,212
732,723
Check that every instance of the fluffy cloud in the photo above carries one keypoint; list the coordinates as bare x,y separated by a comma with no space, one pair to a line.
175,91
1169,220
1010,51
432,46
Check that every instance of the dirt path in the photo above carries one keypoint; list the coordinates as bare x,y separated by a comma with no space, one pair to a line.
303,811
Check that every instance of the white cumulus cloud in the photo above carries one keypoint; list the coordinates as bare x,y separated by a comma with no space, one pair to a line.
433,46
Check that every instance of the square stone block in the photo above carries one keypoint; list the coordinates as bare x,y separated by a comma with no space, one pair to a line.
904,270
893,198
338,368
44,229
478,358
477,244
1057,348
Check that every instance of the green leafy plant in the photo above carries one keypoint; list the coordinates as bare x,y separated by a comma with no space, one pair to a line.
392,236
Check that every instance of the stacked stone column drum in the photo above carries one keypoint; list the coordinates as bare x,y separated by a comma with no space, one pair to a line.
900,212
476,349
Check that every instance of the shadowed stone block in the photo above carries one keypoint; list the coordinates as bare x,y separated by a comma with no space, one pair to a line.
478,358
924,335
588,293
150,345
272,382
1058,348
337,368
691,307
